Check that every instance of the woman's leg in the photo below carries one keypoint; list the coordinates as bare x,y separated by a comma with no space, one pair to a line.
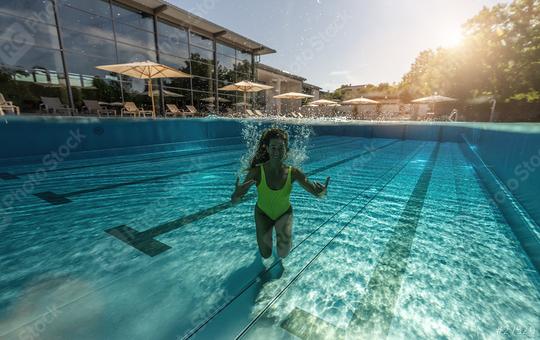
284,233
264,226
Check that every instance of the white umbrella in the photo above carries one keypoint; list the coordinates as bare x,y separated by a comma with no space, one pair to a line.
433,100
146,70
293,95
360,101
323,102
246,86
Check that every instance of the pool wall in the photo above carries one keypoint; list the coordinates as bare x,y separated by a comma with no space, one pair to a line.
506,161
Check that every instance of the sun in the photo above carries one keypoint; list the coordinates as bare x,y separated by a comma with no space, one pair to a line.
450,38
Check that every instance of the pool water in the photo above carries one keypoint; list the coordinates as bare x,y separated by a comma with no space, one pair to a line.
407,244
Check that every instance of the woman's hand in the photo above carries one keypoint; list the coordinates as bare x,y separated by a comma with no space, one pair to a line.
241,189
321,189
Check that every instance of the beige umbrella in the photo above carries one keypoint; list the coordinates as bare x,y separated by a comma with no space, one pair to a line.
323,102
245,87
145,70
292,95
433,100
360,101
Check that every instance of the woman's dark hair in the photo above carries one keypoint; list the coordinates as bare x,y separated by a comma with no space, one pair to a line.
261,155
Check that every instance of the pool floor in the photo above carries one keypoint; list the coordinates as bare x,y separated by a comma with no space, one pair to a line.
407,244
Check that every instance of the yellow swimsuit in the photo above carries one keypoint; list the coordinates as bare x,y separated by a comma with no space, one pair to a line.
274,203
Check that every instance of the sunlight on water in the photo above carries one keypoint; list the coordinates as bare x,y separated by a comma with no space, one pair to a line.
299,136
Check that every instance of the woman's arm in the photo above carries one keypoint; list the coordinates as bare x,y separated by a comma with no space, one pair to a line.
314,188
241,189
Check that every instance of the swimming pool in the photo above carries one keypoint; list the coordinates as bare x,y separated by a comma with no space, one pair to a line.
142,243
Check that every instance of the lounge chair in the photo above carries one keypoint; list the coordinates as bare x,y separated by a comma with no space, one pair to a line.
93,107
131,109
251,113
8,106
194,111
173,110
259,113
54,105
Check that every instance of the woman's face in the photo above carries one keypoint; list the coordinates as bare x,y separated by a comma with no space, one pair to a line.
277,149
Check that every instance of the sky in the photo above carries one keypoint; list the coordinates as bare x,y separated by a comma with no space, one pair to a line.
335,42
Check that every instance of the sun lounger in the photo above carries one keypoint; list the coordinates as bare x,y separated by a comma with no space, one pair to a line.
194,111
8,106
93,107
259,113
131,109
173,110
251,113
54,105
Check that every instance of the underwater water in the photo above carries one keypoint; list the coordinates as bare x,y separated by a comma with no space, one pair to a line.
407,244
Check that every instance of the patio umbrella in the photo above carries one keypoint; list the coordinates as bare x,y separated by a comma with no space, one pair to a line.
323,102
145,70
292,95
433,100
245,87
360,101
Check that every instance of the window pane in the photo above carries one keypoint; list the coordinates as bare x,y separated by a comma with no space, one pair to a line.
84,22
99,7
127,54
202,84
243,56
15,31
133,36
200,102
88,45
174,46
37,57
133,17
202,55
201,41
180,102
171,31
86,65
225,50
201,69
181,83
39,10
243,67
179,63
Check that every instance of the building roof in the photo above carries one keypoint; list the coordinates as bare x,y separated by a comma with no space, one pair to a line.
184,18
312,86
280,72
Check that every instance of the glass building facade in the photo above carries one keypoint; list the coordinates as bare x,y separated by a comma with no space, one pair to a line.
51,48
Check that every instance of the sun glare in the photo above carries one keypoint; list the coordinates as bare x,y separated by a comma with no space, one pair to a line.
450,38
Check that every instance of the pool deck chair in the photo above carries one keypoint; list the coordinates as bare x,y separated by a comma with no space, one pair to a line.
251,113
173,110
130,109
93,107
194,111
259,113
8,106
54,105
